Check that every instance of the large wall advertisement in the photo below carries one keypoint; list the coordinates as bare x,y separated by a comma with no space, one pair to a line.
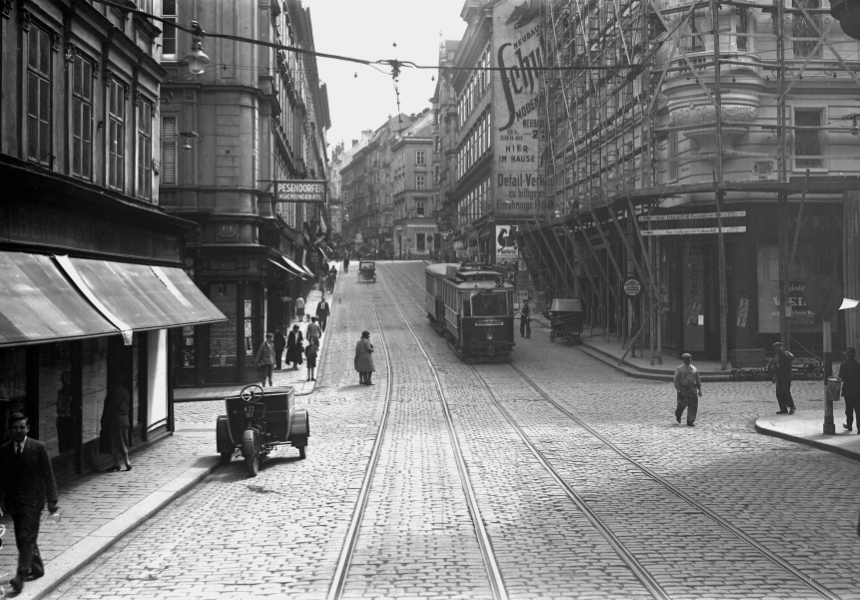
518,110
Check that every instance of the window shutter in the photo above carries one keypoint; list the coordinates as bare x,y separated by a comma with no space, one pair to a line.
168,150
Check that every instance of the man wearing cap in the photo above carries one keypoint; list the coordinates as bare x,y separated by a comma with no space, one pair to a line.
849,373
782,378
689,389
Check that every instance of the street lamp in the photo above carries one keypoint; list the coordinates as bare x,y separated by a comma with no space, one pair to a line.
197,59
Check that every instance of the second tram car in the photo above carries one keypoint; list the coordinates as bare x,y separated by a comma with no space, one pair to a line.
473,307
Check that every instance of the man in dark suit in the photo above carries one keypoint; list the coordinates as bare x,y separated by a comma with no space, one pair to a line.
26,480
323,311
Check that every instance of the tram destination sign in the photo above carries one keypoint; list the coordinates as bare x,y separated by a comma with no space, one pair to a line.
300,190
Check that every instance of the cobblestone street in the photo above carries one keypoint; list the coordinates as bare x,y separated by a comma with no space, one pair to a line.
715,511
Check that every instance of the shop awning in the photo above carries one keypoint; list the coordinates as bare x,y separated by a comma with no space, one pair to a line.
140,297
308,271
295,267
38,304
280,266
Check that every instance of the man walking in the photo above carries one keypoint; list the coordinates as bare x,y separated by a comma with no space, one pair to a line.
525,320
849,373
323,311
26,480
689,389
782,378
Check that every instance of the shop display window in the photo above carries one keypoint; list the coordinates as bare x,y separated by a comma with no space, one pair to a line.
188,349
94,377
13,385
56,423
222,336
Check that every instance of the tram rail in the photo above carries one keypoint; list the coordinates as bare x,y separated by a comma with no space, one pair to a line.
641,573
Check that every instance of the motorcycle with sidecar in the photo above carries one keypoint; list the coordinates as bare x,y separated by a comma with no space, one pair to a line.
257,421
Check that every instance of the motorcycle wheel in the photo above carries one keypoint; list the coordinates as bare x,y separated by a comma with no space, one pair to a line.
252,463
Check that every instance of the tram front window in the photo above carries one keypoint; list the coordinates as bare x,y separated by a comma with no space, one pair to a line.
489,305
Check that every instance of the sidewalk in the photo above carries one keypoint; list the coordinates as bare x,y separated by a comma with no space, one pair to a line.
98,509
804,427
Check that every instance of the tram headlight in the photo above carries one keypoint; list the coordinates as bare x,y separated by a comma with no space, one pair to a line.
488,333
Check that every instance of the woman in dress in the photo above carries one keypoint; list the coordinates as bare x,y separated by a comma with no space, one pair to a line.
364,359
295,348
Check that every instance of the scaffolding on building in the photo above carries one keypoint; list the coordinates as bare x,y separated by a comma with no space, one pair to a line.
646,101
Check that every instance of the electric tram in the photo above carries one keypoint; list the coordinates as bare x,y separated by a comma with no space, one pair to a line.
473,307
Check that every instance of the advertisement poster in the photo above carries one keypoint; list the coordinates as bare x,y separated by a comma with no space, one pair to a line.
518,113
506,244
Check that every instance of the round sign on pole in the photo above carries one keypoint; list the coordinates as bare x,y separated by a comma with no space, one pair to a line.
823,295
632,287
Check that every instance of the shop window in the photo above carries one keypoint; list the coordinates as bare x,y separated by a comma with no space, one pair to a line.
249,328
13,385
420,242
188,348
222,336
39,96
94,377
56,425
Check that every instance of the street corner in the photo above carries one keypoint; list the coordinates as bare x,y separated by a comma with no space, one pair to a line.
807,427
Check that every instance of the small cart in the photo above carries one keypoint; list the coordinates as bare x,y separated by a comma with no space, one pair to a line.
257,421
367,271
565,319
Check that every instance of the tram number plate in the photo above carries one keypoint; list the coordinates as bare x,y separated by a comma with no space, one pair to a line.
488,322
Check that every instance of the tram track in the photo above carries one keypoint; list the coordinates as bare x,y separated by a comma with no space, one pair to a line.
340,578
646,578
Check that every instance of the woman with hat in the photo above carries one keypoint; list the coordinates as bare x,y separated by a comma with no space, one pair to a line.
364,359
295,349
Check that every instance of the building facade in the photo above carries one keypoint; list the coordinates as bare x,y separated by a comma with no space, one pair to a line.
101,295
256,116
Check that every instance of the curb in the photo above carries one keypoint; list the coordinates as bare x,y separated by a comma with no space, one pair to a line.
632,370
93,545
809,442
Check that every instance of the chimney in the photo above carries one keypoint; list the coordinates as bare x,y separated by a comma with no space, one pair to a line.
354,143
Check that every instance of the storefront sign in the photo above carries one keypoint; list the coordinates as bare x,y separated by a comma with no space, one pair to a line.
691,216
632,287
518,115
743,310
693,316
693,231
300,190
506,244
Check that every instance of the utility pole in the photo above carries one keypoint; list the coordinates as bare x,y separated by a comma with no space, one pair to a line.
784,331
721,242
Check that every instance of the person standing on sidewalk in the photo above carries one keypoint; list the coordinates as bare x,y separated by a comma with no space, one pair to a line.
323,311
27,481
280,344
313,332
849,373
311,353
525,320
300,309
782,378
689,390
113,439
265,359
294,347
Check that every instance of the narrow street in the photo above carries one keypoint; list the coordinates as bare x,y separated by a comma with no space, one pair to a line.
553,476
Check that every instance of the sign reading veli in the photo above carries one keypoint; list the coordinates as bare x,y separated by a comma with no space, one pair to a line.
517,110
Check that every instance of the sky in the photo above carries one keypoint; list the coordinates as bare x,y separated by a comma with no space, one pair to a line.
368,29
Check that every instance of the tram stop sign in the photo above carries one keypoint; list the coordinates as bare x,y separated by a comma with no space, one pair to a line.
823,296
632,287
